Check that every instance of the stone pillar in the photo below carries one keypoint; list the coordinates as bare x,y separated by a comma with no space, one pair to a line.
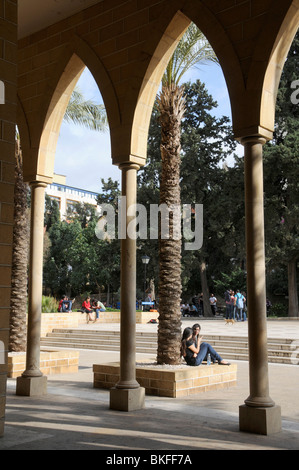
32,382
127,395
259,414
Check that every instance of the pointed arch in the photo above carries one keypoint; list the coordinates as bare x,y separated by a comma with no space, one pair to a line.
207,22
39,149
279,52
40,145
152,81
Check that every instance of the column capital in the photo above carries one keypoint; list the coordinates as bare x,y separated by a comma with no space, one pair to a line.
255,139
38,184
129,166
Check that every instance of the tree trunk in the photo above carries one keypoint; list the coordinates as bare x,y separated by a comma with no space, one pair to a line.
18,324
171,103
205,290
108,295
293,291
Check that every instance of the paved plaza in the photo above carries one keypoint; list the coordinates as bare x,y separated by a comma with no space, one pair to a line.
74,416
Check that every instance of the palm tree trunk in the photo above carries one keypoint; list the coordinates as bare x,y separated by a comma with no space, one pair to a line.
171,103
18,328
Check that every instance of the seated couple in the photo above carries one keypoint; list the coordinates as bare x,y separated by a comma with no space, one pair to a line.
194,351
95,306
65,304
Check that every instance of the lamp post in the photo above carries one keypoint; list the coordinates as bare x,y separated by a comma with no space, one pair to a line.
145,260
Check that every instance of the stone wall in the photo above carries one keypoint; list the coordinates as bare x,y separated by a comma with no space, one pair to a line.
51,321
51,362
170,381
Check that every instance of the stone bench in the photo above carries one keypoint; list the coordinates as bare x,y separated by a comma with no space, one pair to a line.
170,381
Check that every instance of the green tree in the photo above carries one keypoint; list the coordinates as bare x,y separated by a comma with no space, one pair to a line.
52,213
58,268
206,142
83,212
281,170
108,250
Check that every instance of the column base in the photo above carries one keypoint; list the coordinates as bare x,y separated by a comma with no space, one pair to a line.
31,386
127,399
260,420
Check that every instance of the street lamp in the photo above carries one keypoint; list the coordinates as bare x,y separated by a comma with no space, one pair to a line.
145,259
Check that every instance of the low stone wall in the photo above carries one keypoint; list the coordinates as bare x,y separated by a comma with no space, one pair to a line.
51,362
114,317
165,381
58,320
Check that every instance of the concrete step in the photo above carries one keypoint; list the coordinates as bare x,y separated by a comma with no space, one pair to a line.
229,347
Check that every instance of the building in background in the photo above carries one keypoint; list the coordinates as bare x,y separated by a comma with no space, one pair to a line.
68,196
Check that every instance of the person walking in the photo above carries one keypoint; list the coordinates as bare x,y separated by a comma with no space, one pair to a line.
213,303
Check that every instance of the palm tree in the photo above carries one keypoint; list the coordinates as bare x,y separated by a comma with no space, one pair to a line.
79,111
192,49
85,112
18,302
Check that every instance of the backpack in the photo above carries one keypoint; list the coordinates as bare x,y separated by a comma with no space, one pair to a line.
240,303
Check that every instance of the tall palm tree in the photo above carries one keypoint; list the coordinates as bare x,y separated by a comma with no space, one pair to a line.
18,302
79,111
192,50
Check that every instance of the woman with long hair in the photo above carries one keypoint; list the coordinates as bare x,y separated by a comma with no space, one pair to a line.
194,351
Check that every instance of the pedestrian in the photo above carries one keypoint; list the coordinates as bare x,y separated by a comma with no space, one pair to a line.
240,299
213,303
86,307
228,304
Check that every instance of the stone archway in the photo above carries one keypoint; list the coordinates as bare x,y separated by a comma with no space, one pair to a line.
38,155
238,36
253,88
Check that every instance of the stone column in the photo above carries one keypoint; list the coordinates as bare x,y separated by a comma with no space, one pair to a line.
127,395
32,382
259,414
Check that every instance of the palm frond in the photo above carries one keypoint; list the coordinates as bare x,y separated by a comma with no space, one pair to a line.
193,49
86,113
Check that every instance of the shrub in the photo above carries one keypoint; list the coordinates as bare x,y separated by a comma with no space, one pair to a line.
49,304
278,310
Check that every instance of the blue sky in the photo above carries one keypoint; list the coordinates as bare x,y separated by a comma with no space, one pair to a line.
84,157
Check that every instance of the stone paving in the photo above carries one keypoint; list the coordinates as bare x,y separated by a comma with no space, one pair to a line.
74,416
275,328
